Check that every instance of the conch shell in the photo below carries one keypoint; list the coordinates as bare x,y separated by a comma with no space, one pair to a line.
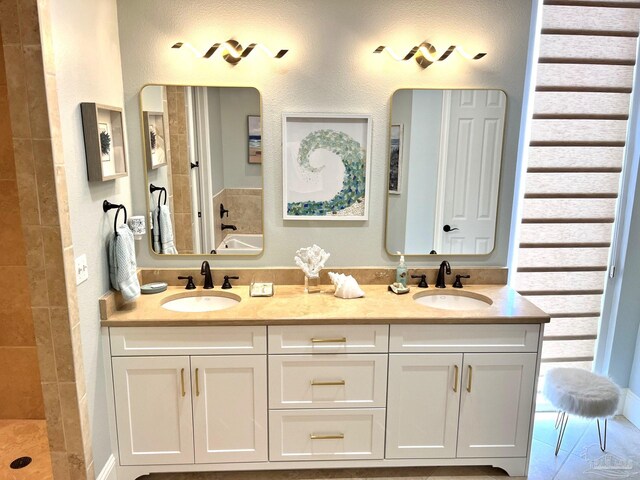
346,286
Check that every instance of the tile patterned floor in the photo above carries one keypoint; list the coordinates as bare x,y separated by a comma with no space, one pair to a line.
579,459
19,438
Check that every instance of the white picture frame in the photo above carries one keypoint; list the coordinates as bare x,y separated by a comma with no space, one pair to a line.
326,160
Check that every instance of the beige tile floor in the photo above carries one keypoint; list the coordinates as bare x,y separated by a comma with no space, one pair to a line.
579,459
19,438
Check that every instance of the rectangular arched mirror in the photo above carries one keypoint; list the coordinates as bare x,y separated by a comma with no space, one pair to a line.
445,151
203,157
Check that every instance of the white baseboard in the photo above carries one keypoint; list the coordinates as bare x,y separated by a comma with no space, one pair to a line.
108,472
631,409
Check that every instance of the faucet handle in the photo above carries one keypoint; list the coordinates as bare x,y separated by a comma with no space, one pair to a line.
458,283
223,211
227,284
190,284
423,280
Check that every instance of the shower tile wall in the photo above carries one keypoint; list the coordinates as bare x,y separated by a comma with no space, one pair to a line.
180,170
19,377
38,258
245,210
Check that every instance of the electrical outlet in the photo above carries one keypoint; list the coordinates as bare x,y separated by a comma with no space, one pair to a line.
82,269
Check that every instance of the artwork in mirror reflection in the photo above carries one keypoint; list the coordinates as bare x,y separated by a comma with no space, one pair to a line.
212,175
443,187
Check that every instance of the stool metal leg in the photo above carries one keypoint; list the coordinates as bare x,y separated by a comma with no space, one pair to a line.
559,418
603,445
564,419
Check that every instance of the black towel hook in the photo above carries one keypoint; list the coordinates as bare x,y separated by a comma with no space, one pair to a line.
107,205
153,188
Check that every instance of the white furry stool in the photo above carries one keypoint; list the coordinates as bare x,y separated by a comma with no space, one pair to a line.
580,392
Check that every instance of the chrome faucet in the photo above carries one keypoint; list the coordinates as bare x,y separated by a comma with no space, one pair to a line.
206,271
444,267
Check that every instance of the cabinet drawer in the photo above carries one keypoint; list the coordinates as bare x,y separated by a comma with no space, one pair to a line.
327,381
326,434
133,341
329,339
464,338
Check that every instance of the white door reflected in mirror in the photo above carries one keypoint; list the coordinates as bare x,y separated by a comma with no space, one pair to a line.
444,171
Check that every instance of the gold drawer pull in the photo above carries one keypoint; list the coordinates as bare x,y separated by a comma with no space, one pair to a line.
197,384
455,381
338,436
182,382
329,340
470,375
316,383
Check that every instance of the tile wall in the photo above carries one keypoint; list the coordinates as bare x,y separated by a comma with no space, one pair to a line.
41,191
19,375
180,170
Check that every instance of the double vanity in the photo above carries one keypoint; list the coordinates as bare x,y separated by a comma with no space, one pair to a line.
295,381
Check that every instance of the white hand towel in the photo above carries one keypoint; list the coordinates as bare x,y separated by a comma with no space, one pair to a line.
122,264
163,231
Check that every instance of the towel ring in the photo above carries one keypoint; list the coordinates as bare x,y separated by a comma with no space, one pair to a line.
107,205
153,188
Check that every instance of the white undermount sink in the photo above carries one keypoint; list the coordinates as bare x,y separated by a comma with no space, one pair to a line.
452,301
201,302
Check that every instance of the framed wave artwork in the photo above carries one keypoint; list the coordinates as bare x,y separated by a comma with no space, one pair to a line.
326,159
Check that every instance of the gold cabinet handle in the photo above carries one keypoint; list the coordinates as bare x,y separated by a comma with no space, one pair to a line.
338,436
329,340
455,378
469,380
182,382
317,383
197,384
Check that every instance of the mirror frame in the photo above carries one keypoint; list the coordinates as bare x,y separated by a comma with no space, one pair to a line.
208,256
388,170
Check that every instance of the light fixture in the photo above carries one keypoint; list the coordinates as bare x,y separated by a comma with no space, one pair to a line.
425,54
231,50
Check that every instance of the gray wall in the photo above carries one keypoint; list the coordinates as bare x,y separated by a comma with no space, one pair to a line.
397,204
235,105
313,78
426,127
87,60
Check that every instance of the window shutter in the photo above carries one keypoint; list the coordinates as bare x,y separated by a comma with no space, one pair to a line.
578,132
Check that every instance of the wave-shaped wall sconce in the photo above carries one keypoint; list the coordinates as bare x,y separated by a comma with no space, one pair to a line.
425,54
231,50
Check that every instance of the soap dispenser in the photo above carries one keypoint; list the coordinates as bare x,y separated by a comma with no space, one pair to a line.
401,271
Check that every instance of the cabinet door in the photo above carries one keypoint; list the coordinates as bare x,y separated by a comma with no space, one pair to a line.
230,408
422,409
495,410
153,405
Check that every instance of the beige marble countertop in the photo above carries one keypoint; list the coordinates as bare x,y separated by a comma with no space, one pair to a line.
291,306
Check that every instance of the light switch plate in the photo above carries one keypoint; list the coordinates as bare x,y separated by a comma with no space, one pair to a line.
82,269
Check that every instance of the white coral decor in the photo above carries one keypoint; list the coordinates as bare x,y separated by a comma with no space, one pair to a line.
311,260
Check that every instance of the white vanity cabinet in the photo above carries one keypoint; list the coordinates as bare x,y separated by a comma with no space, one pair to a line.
327,392
424,399
495,406
209,398
153,401
179,409
461,404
